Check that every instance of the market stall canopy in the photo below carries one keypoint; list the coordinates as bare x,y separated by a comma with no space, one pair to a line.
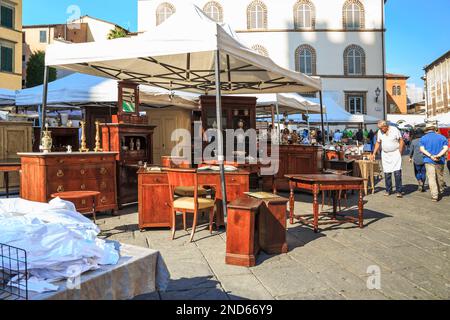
288,103
337,114
77,89
179,54
443,120
7,97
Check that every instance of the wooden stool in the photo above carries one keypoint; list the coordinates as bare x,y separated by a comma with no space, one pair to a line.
79,196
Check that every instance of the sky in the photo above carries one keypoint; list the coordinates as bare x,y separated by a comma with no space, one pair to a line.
418,31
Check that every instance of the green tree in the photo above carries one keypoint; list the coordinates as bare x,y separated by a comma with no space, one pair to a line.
117,32
35,70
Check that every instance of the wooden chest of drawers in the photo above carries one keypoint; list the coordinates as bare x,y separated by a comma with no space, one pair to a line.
44,174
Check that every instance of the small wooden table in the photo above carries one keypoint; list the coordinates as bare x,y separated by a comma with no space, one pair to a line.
325,182
366,170
7,166
79,195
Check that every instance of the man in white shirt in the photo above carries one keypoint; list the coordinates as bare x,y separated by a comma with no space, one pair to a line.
392,144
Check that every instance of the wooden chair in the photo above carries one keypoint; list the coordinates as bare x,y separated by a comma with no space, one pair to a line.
187,178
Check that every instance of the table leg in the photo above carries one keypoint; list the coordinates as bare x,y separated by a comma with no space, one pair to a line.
316,207
6,179
372,178
334,204
94,214
291,203
360,208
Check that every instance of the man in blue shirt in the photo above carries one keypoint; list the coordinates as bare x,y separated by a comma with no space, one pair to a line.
337,136
434,146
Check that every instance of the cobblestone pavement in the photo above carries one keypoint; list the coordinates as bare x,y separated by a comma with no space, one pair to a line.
407,239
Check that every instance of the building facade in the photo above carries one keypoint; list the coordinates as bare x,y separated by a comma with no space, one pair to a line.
397,101
437,86
342,41
11,44
84,29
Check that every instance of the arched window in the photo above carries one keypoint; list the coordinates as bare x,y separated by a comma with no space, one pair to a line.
305,59
394,90
261,50
214,10
353,15
399,91
304,15
354,61
164,11
257,15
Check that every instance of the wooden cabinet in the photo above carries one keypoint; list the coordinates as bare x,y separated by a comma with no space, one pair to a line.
61,138
133,144
45,174
294,159
154,196
14,137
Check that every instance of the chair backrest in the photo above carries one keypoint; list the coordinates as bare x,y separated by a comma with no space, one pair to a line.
182,178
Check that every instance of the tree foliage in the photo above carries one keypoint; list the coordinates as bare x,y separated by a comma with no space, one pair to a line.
35,70
117,32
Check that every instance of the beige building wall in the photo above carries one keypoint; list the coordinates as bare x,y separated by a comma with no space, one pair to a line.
12,37
438,86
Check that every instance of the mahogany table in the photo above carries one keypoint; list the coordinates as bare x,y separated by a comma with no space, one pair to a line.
7,166
325,182
79,195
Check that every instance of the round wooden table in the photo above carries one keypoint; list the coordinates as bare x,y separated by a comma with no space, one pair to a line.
79,195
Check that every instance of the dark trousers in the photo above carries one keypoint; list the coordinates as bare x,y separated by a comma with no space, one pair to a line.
420,172
448,166
398,181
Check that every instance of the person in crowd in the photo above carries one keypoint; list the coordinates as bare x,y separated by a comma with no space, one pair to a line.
337,137
416,157
448,152
319,136
359,136
371,136
391,143
406,138
434,146
285,136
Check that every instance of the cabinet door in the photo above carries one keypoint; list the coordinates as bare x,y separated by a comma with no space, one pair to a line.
18,139
155,210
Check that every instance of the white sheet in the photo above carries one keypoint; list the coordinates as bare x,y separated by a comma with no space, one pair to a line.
60,242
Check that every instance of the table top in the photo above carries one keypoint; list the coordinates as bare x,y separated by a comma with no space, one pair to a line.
341,161
75,194
10,162
324,178
65,154
200,172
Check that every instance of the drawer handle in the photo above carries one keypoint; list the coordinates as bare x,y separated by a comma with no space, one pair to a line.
103,200
103,171
83,202
83,187
60,174
103,185
157,180
233,179
61,161
82,171
60,189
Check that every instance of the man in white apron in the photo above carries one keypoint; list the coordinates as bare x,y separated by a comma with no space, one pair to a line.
392,145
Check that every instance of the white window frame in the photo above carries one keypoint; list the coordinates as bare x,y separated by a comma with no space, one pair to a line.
255,22
356,98
163,11
301,16
351,57
304,56
209,8
46,36
354,24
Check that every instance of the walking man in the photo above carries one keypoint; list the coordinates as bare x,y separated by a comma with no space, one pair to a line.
392,144
434,146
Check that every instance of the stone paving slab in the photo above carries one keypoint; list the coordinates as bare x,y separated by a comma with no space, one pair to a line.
407,239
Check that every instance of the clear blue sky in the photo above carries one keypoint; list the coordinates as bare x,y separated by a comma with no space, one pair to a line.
418,31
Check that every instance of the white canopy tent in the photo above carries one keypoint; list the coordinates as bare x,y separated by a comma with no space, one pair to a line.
443,120
188,52
288,103
78,88
7,97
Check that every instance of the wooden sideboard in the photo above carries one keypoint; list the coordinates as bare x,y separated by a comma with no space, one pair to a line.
294,159
45,174
154,196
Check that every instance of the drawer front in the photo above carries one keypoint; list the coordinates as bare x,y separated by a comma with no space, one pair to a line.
67,160
102,185
106,199
155,179
62,173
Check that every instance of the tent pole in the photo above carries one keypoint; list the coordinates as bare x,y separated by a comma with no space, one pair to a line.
321,117
220,155
272,111
44,101
279,122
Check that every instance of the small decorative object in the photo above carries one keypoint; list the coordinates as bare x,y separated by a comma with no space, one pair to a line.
64,119
69,149
138,144
46,141
83,147
69,124
246,112
241,124
236,112
131,144
97,137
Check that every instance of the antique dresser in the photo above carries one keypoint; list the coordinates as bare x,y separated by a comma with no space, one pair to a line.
44,174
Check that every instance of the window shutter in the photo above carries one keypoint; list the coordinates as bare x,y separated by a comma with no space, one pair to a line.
7,59
7,17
